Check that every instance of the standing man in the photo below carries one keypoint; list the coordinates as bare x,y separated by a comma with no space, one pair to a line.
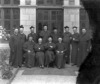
55,35
75,42
45,33
84,46
67,36
16,54
32,34
22,41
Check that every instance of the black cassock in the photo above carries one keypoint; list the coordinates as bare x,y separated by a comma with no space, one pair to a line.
22,41
16,52
45,35
39,48
34,36
74,52
49,54
29,53
67,40
60,55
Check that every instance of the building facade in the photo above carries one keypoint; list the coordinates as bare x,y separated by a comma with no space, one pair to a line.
54,13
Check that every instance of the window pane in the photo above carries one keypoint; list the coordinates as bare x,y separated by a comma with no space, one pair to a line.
16,2
59,2
16,23
6,1
28,2
7,24
16,13
49,1
39,2
0,14
7,13
71,2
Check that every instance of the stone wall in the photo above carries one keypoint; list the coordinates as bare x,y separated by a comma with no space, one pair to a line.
72,14
28,15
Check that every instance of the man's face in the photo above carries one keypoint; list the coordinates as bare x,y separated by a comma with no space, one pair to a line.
83,31
40,40
60,39
21,30
50,39
32,30
74,30
67,29
30,38
55,30
45,28
16,31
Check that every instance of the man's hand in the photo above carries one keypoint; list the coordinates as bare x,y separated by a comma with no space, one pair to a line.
29,51
51,46
57,51
73,38
62,51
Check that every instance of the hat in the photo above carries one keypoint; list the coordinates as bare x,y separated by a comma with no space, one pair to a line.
50,36
21,26
31,27
66,27
40,37
45,25
74,27
54,28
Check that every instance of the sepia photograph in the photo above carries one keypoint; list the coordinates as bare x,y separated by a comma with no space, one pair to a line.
49,41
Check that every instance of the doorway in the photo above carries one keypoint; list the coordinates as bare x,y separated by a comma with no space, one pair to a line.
51,18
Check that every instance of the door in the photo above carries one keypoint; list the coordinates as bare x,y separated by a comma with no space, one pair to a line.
51,18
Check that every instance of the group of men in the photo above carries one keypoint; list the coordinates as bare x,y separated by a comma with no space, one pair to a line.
48,48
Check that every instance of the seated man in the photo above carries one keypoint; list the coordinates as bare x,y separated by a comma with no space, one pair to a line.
49,54
39,48
60,53
29,52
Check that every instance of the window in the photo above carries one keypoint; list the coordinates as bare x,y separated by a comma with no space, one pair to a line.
0,14
59,2
7,13
49,2
16,14
28,2
6,1
17,2
71,2
40,2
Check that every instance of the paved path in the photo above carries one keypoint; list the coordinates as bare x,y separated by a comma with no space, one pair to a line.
46,76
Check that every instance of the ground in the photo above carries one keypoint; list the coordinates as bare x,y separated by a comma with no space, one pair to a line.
46,76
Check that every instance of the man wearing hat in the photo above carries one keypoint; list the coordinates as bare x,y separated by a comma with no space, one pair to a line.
45,33
33,34
67,36
22,41
74,42
15,53
84,46
55,35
